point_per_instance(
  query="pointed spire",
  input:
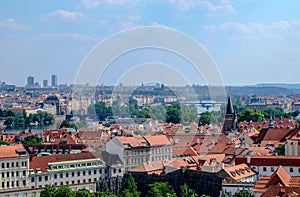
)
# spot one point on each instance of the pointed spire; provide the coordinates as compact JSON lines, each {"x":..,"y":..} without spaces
{"x":271,"y":123}
{"x":229,"y":110}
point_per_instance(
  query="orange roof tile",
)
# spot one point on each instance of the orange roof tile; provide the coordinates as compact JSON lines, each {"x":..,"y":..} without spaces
{"x":157,"y":140}
{"x":10,"y":151}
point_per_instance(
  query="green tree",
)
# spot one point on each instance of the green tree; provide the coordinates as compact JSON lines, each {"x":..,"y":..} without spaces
{"x":187,"y":192}
{"x":188,"y":114}
{"x":101,"y":110}
{"x":158,"y":113}
{"x":280,"y":149}
{"x":105,"y":193}
{"x":205,"y":118}
{"x":173,"y":113}
{"x":250,"y":115}
{"x":164,"y":189}
{"x":2,"y":142}
{"x":32,"y":140}
{"x":243,"y":193}
{"x":133,"y":107}
{"x":143,"y":113}
{"x":275,"y":112}
{"x":154,"y":192}
{"x":67,"y":124}
{"x":83,"y":193}
{"x":130,"y":185}
{"x":64,"y":191}
{"x":48,"y":191}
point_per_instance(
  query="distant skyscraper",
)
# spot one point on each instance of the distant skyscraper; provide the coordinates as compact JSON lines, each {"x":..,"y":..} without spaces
{"x":45,"y":83}
{"x":54,"y":80}
{"x":30,"y":81}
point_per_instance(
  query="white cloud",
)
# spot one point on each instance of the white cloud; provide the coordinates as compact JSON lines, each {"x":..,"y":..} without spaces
{"x":222,"y":6}
{"x":252,"y":31}
{"x":90,"y":3}
{"x":66,"y":14}
{"x":11,"y":24}
{"x":76,"y":36}
{"x":250,"y":27}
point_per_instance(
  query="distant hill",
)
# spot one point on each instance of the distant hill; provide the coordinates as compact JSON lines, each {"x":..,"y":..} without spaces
{"x":279,"y":85}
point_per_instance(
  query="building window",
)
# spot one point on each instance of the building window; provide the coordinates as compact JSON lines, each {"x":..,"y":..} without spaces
{"x":291,"y":169}
{"x":90,"y":180}
{"x":73,"y":182}
{"x":95,"y":179}
{"x":12,"y":164}
{"x":55,"y":176}
{"x":272,"y":169}
{"x":24,"y":173}
{"x":84,"y":180}
{"x":120,"y":170}
{"x":61,"y":183}
{"x":24,"y":182}
{"x":83,"y":173}
{"x":73,"y":174}
{"x":90,"y":172}
{"x":3,"y":184}
{"x":7,"y":165}
{"x":3,"y":174}
{"x":78,"y":181}
{"x":95,"y":171}
{"x":12,"y":184}
{"x":67,"y":174}
{"x":7,"y":174}
{"x":3,"y":165}
{"x":115,"y":170}
{"x":61,"y":175}
{"x":78,"y":173}
{"x":32,"y":179}
{"x":46,"y":178}
{"x":67,"y":183}
{"x":40,"y":178}
{"x":264,"y":169}
{"x":17,"y":173}
{"x":17,"y":164}
{"x":7,"y":184}
{"x":17,"y":183}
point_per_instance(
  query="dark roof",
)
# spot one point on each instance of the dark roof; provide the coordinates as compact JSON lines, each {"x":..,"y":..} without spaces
{"x":229,"y":109}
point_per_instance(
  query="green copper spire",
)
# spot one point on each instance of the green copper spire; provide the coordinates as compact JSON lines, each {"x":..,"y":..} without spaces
{"x":271,"y":123}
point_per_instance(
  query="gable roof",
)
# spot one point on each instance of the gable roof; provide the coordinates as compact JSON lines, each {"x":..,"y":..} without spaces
{"x":280,"y":176}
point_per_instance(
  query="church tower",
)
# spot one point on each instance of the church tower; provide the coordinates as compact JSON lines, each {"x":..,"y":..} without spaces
{"x":230,"y":122}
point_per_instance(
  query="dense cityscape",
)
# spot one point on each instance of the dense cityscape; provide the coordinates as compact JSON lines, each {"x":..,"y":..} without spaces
{"x":169,"y":98}
{"x":53,"y":141}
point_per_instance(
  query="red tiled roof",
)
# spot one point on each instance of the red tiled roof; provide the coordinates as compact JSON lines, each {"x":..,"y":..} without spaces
{"x":42,"y":161}
{"x":269,"y":160}
{"x":10,"y":151}
{"x":133,"y":141}
{"x":157,"y":140}
{"x":240,"y":171}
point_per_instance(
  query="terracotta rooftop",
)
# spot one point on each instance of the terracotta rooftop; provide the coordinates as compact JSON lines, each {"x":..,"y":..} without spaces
{"x":10,"y":151}
{"x":157,"y":140}
{"x":133,"y":141}
{"x":280,"y":178}
{"x":239,"y":171}
{"x":42,"y":161}
{"x":269,"y":160}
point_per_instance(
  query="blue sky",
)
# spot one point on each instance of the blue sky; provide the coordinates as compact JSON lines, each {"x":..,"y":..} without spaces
{"x":251,"y":41}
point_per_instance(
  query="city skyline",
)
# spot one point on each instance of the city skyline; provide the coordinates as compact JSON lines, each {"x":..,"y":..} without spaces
{"x":250,"y":41}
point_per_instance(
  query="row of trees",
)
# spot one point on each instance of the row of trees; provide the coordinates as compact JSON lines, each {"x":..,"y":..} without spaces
{"x":157,"y":189}
{"x":258,"y":115}
{"x":174,"y":113}
{"x":22,"y":120}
